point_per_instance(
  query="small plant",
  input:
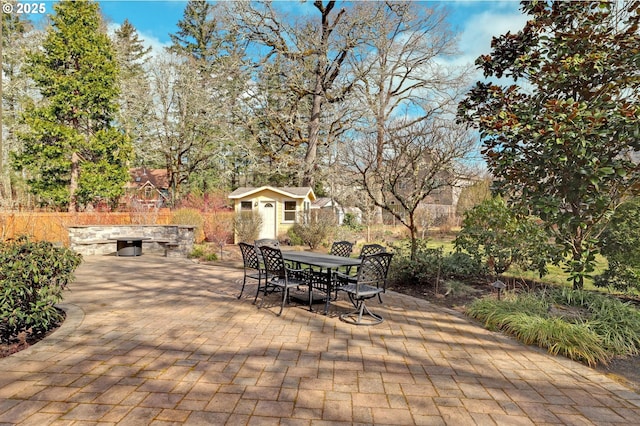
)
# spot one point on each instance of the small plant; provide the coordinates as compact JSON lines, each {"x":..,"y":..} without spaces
{"x":352,"y":223}
{"x":203,"y":252}
{"x":294,"y":239}
{"x":33,"y":276}
{"x":197,"y":252}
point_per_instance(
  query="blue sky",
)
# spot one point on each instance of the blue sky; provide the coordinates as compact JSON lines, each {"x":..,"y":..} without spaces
{"x":475,"y":20}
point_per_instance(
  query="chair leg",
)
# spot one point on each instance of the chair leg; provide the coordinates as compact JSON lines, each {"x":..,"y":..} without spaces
{"x":355,"y":317}
{"x":264,"y":296}
{"x":285,"y":296}
{"x":244,"y":282}
{"x":255,"y":299}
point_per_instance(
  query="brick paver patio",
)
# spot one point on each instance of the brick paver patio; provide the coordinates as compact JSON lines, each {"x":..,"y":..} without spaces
{"x":152,"y":340}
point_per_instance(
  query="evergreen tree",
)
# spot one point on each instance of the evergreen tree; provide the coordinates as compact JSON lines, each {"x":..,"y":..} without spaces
{"x":562,"y":144}
{"x":197,"y":37}
{"x":206,"y":86}
{"x":72,"y":153}
{"x":135,"y":97}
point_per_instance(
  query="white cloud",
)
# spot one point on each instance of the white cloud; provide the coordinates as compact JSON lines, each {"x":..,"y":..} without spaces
{"x":157,"y":47}
{"x":478,"y":30}
{"x":154,"y":43}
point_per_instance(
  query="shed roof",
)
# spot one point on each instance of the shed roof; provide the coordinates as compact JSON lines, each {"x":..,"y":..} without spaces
{"x":288,"y":191}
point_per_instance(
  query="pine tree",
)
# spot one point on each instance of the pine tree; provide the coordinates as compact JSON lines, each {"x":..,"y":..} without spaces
{"x":72,"y":153}
{"x":135,"y":99}
{"x":197,"y":37}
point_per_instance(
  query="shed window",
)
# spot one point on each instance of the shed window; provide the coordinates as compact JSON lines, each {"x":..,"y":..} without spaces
{"x":289,"y":211}
{"x":245,"y":206}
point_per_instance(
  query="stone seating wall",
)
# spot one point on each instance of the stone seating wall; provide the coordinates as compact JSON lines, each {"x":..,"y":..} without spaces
{"x":169,"y":240}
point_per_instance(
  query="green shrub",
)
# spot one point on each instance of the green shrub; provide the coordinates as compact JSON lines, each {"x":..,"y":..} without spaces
{"x":431,"y":265}
{"x":460,"y":265}
{"x":187,"y":216}
{"x":620,"y":244}
{"x":33,"y":275}
{"x":201,"y":252}
{"x":495,"y":234}
{"x":350,"y":221}
{"x":247,"y":226}
{"x":294,"y":239}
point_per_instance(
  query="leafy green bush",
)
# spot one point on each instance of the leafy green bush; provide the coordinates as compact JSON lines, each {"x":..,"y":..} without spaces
{"x":294,"y":239}
{"x":430,"y":265}
{"x":33,"y":275}
{"x":604,"y":326}
{"x":350,"y":221}
{"x":187,"y":216}
{"x":493,"y":233}
{"x":247,"y":226}
{"x":620,"y":244}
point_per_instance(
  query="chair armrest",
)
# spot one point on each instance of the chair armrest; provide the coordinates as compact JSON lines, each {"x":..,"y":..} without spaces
{"x":340,"y":277}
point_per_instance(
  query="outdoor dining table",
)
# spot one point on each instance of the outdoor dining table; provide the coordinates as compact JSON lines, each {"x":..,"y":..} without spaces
{"x":328,"y":263}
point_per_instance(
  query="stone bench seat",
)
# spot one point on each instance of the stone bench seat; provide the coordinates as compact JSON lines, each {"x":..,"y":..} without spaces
{"x":170,"y":240}
{"x":91,"y":242}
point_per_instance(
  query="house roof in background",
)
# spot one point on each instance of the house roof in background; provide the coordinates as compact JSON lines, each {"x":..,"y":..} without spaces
{"x":322,"y":202}
{"x":287,"y":191}
{"x":141,"y":176}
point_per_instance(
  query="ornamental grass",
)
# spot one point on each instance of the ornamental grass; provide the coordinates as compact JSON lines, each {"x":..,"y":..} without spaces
{"x":584,"y":326}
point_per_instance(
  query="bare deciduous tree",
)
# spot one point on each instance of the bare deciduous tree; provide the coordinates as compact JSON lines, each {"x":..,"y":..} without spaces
{"x":404,"y":73}
{"x":184,"y":122}
{"x":304,"y":67}
{"x":415,"y":162}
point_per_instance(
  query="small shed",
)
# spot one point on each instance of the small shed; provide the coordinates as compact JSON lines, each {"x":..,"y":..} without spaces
{"x":278,"y":207}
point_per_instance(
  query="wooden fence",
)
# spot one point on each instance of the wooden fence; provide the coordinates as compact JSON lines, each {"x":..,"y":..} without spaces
{"x":53,"y":226}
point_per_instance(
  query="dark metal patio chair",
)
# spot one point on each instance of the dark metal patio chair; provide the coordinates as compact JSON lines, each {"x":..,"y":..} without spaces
{"x":341,"y":248}
{"x":369,"y":249}
{"x":370,"y":282}
{"x":252,"y":267}
{"x":281,"y":277}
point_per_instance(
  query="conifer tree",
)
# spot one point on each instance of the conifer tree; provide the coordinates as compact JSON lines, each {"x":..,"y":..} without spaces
{"x":135,"y":99}
{"x":72,"y":154}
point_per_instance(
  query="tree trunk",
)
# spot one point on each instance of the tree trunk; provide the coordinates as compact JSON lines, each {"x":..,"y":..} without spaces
{"x":314,"y":130}
{"x":73,"y":184}
{"x":578,"y":279}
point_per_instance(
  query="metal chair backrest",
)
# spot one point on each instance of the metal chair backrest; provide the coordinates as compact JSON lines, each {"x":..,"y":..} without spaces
{"x":273,"y":261}
{"x":341,"y":248}
{"x":249,"y":256}
{"x":369,"y":249}
{"x":374,"y":269}
{"x":267,"y":242}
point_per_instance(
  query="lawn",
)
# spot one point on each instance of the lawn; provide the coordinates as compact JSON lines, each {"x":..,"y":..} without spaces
{"x":555,"y":276}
